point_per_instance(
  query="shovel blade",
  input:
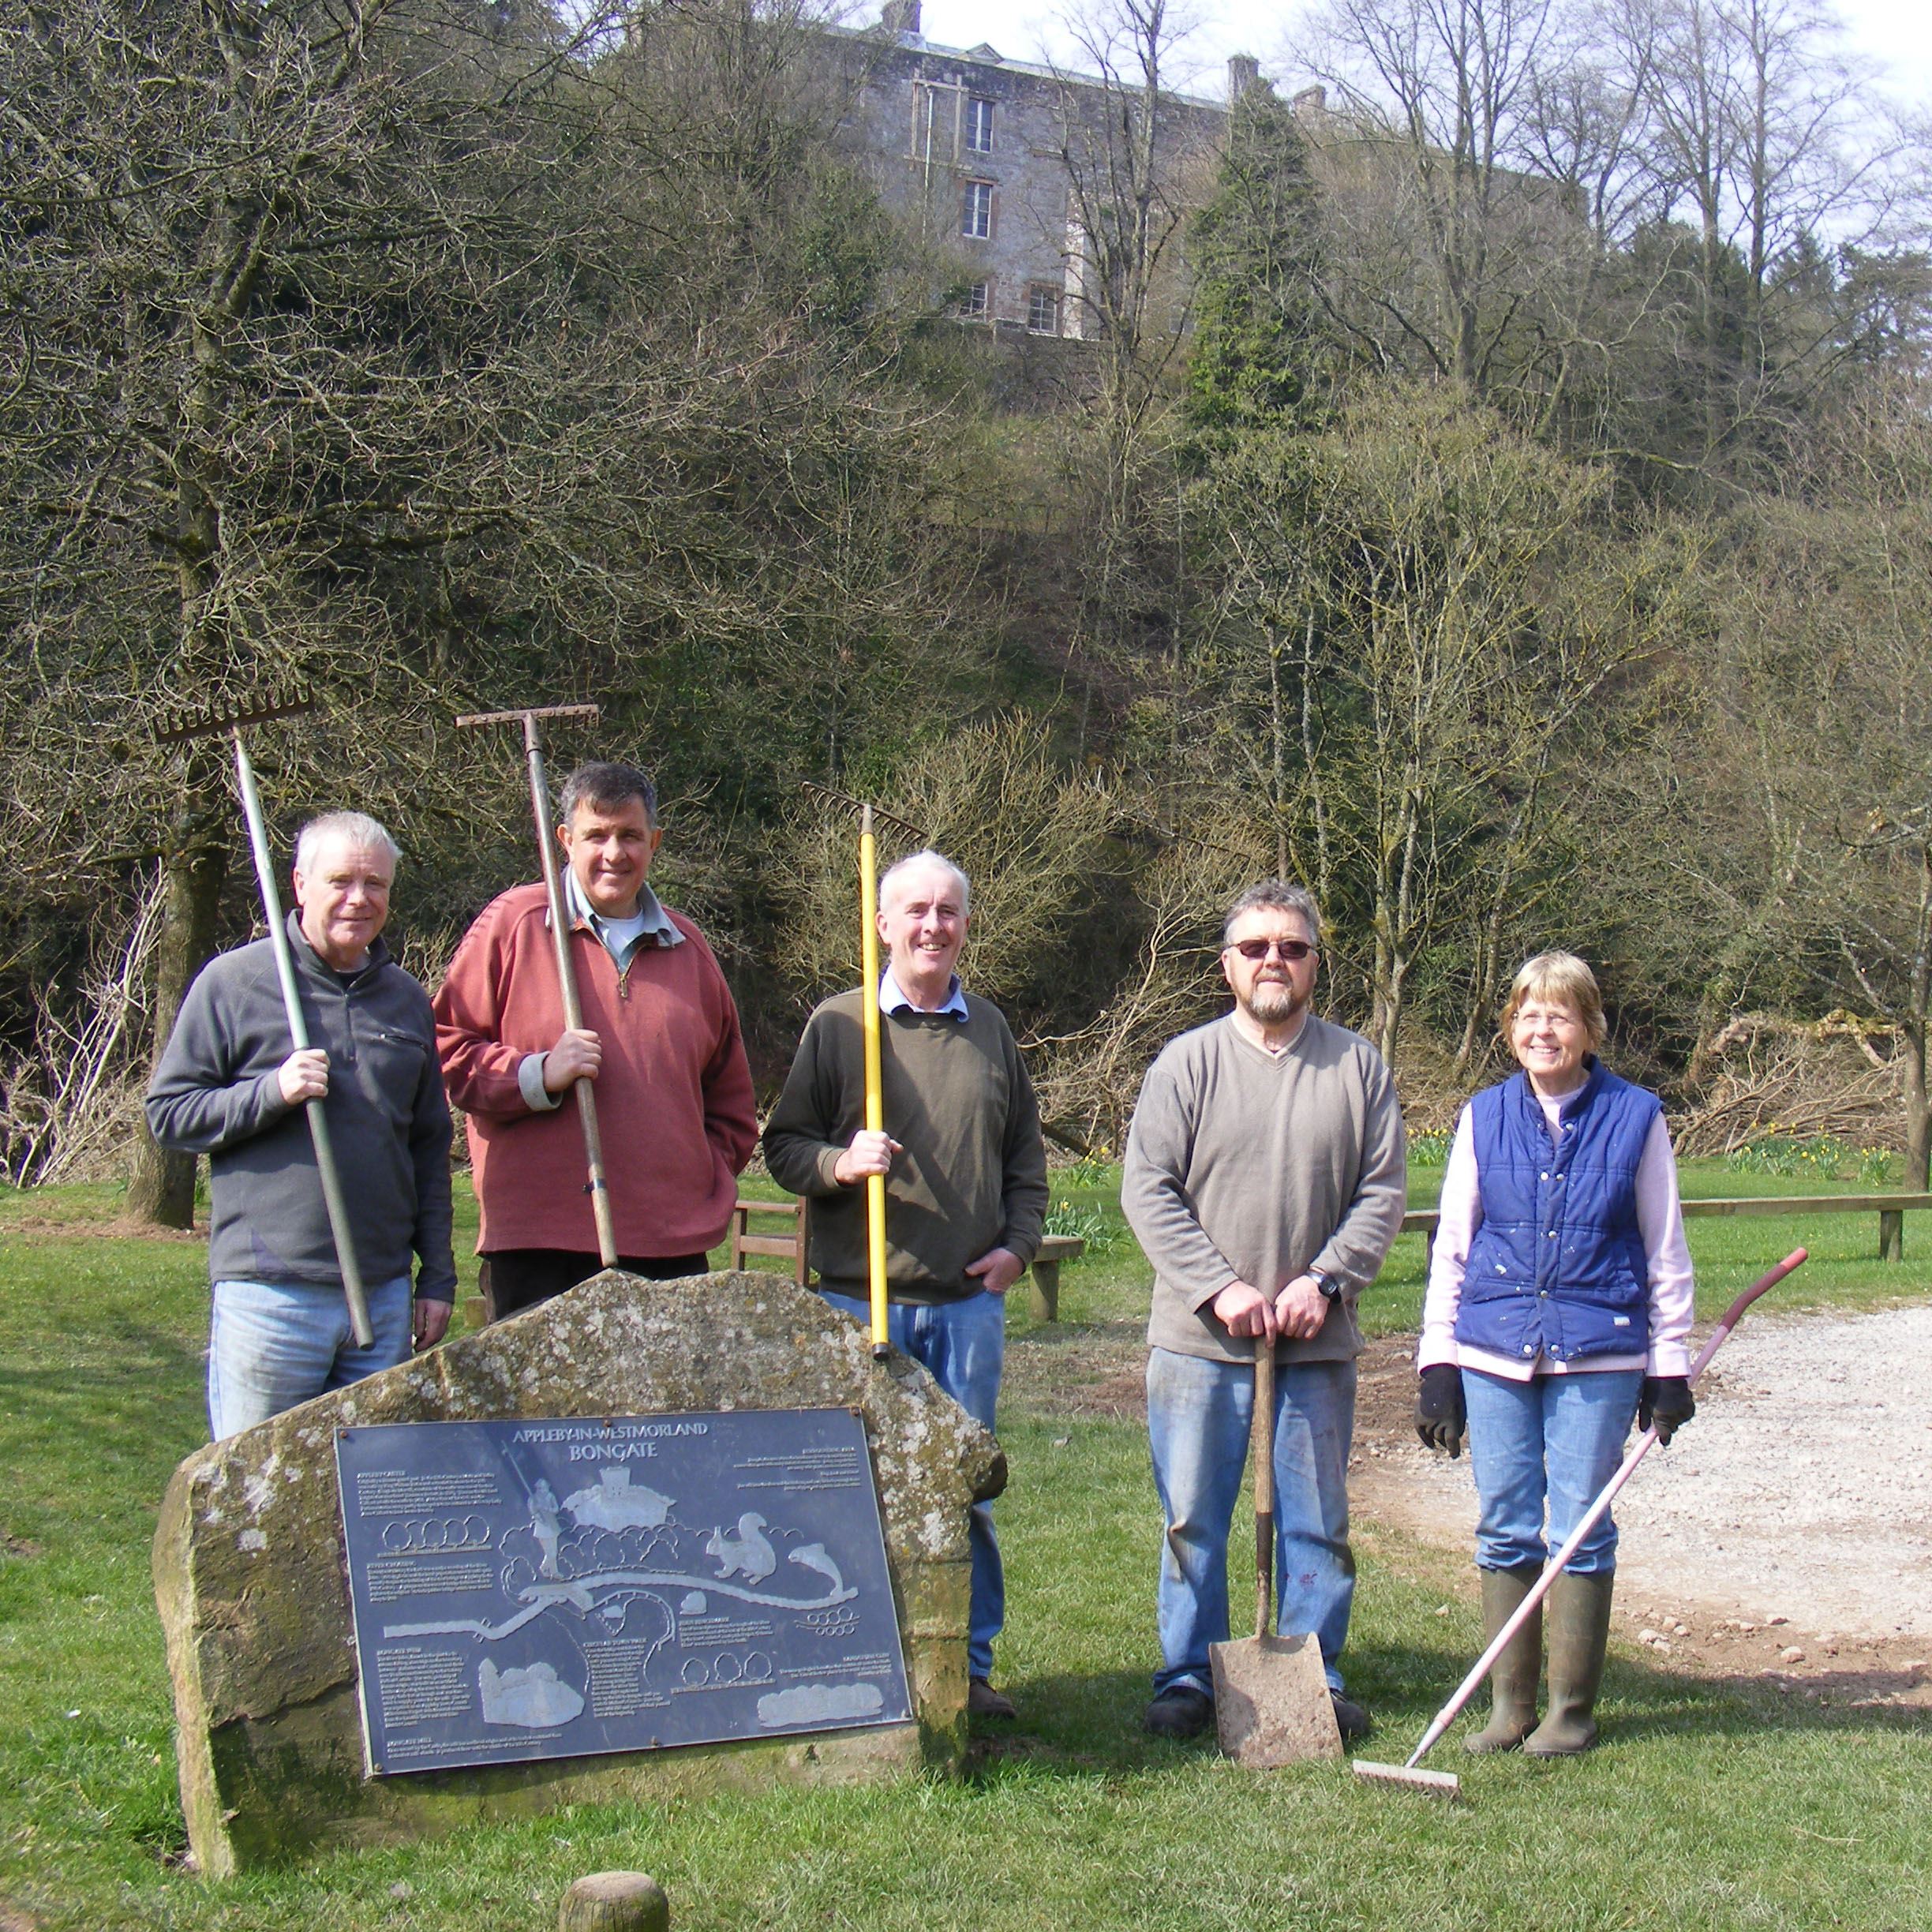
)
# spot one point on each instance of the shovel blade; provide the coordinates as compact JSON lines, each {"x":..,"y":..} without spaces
{"x":1271,"y":1701}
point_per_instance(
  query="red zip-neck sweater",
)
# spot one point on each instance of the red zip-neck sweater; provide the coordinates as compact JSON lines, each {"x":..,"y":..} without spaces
{"x":674,"y":1095}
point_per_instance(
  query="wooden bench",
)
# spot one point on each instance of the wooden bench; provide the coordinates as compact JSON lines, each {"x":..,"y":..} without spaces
{"x":1890,"y":1209}
{"x":790,"y":1243}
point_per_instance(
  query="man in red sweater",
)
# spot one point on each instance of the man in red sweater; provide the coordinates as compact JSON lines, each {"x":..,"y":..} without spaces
{"x":661,"y":1039}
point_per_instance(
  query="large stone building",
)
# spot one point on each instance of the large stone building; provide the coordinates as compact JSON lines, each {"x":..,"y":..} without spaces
{"x":1009,"y":167}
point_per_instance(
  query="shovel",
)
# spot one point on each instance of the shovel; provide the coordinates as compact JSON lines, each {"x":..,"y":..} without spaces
{"x":1271,"y":1701}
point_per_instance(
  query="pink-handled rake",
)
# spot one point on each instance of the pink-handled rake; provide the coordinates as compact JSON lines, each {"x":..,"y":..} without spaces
{"x":1445,"y":1784}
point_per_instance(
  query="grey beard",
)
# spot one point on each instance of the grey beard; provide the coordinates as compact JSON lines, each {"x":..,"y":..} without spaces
{"x":1271,"y":1003}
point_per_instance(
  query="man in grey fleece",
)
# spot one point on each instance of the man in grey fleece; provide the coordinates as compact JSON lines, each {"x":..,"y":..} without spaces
{"x":229,"y":1086}
{"x":1265,"y":1177}
{"x":965,"y":1172}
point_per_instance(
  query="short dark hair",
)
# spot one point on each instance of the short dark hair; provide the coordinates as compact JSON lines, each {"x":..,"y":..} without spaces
{"x":607,"y":785}
{"x":1275,"y":895}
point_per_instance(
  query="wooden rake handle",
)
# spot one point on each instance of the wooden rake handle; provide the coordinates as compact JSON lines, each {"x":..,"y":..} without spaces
{"x":599,"y":1185}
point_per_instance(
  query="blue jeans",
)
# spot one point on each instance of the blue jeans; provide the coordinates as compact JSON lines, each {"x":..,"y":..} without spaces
{"x":1557,"y":1439}
{"x":963,"y":1346}
{"x":271,"y":1347}
{"x":1198,"y":1417}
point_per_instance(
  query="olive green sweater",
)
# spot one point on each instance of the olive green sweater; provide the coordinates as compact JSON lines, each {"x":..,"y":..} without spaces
{"x":973,"y":1175}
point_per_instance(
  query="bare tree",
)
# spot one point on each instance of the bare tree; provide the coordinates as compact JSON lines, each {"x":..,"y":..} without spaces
{"x":1439,"y":108}
{"x":1421,"y":606}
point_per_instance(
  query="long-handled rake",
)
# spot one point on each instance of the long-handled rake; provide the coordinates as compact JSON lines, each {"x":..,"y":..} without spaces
{"x":206,"y":723}
{"x":560,"y":933}
{"x":874,"y":1079}
{"x":1445,"y":1784}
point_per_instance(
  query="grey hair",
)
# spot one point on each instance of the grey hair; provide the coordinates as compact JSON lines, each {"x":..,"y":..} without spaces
{"x":354,"y":829}
{"x":607,"y":785}
{"x":1275,"y":895}
{"x":928,"y":857}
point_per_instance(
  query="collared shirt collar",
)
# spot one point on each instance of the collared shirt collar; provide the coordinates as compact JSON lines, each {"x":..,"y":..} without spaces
{"x":893,"y":999}
{"x":653,"y":923}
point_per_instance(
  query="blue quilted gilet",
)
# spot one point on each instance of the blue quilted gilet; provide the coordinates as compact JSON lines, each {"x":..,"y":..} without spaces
{"x":1558,"y":1266}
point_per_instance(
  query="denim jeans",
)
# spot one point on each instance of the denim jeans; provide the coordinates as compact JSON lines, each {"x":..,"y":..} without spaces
{"x":271,"y":1346}
{"x":963,"y":1346}
{"x":1198,"y":1417}
{"x":1556,"y":1439}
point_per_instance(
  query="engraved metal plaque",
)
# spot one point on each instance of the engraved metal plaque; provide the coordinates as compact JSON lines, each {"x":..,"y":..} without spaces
{"x":556,"y":1589}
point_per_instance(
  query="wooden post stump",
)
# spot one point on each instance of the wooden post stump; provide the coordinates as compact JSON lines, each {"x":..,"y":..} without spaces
{"x":1891,"y":1234}
{"x":615,"y":1901}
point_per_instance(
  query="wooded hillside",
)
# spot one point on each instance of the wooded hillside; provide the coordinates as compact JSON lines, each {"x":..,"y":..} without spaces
{"x":1526,"y":542}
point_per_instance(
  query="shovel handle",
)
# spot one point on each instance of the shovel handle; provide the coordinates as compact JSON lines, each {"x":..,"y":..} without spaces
{"x":1262,"y":1442}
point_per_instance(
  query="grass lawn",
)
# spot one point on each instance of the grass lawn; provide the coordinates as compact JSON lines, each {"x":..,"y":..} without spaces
{"x":1711,"y":1805}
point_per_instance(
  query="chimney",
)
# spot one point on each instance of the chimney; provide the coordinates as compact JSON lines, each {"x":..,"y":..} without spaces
{"x":1311,"y":100}
{"x":901,"y":16}
{"x":1244,"y":72}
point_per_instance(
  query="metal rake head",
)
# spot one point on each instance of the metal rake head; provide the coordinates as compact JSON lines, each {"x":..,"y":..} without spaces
{"x":178,"y":721}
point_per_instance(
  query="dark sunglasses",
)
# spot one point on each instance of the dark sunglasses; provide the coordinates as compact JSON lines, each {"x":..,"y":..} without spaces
{"x":1293,"y":950}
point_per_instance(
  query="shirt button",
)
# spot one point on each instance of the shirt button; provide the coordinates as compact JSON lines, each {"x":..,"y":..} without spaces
{"x":1528,"y":1348}
{"x":1551,"y":1235}
{"x":1542,"y":1176}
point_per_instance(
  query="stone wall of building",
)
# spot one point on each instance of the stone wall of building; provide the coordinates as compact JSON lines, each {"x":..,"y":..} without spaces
{"x":970,"y":148}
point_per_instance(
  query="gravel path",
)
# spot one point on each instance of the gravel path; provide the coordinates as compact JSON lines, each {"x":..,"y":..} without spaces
{"x":1802,"y":1492}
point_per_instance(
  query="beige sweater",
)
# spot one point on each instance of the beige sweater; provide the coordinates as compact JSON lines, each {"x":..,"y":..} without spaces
{"x":1243,"y":1166}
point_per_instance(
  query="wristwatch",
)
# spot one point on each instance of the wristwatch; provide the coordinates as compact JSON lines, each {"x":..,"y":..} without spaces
{"x":1330,"y":1285}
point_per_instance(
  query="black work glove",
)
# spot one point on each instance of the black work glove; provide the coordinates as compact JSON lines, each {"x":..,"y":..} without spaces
{"x":1440,"y":1414}
{"x":1665,"y":1404}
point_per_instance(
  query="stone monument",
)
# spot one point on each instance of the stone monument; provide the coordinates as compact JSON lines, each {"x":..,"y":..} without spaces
{"x":250,"y":1568}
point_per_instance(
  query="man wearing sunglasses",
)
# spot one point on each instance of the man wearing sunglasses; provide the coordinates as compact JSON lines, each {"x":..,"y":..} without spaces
{"x":1265,"y":1177}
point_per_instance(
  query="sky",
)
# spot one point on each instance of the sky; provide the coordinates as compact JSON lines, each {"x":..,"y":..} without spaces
{"x":1896,"y":35}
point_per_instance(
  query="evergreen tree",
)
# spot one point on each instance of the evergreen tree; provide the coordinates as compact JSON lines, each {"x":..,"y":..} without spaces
{"x":1263,"y":349}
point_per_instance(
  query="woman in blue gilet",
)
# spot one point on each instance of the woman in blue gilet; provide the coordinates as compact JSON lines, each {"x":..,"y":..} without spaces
{"x":1559,"y":1304}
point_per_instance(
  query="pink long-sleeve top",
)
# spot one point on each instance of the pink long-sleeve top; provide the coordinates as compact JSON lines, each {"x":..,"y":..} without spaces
{"x":1660,"y":1220}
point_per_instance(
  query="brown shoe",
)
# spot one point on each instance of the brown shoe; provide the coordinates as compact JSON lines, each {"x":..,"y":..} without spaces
{"x":983,"y":1701}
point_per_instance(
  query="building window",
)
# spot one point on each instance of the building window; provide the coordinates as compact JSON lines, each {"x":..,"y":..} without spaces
{"x":979,"y":124}
{"x":1043,"y":309}
{"x":977,"y":210}
{"x":977,"y":303}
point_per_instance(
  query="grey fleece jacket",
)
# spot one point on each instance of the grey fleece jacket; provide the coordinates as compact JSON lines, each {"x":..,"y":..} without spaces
{"x":216,"y":1092}
{"x":1244,"y":1166}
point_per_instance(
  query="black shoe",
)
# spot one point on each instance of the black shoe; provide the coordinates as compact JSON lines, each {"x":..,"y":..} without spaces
{"x":1182,"y":1712}
{"x":1351,"y":1719}
{"x":983,"y":1701}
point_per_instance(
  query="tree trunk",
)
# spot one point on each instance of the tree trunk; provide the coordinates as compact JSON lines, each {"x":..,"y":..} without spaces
{"x":1918,"y":1115}
{"x":160,"y":1184}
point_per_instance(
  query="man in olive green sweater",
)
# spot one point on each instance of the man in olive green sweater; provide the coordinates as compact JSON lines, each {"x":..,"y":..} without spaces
{"x":1265,"y":1177}
{"x":965,"y":1173}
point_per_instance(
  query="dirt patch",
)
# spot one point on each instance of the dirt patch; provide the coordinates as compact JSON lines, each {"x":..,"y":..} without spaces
{"x":1785,"y":1536}
{"x":120,"y":1227}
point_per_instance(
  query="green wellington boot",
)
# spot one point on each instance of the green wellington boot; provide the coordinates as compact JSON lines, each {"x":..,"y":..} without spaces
{"x":1579,"y":1631}
{"x":1513,"y":1677}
